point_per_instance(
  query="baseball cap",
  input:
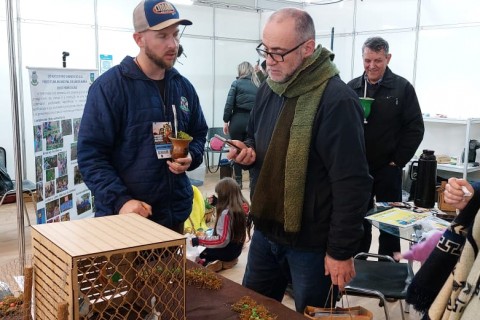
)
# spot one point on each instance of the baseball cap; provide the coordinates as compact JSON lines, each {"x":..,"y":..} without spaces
{"x":156,"y":15}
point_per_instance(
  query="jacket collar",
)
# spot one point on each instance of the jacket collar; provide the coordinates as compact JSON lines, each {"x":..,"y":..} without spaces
{"x":387,"y":80}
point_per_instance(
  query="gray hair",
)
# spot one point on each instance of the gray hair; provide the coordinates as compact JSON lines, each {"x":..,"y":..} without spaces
{"x":376,"y":44}
{"x":304,"y":25}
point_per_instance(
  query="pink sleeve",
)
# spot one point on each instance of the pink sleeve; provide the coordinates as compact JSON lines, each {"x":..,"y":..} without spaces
{"x":408,"y":254}
{"x":422,"y":250}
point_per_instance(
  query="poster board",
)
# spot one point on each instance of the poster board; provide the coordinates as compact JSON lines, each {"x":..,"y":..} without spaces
{"x":58,"y":99}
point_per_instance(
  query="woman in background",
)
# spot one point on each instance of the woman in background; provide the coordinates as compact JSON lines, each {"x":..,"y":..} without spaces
{"x":240,"y":101}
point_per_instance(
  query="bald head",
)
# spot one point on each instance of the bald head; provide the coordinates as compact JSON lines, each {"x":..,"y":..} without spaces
{"x":303,"y":22}
{"x":288,"y":39}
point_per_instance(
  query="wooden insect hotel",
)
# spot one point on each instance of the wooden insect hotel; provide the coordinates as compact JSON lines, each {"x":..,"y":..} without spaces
{"x":114,"y":267}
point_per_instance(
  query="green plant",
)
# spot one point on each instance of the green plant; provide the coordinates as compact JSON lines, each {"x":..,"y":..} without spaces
{"x":208,"y":206}
{"x":183,"y":135}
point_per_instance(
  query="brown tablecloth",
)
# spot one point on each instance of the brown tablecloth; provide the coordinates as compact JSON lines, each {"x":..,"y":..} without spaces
{"x":216,"y":304}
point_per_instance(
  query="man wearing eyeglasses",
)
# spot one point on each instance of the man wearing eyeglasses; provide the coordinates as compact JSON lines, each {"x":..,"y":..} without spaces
{"x":310,"y":180}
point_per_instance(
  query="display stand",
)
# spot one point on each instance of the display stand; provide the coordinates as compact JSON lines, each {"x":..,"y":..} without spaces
{"x":447,"y":127}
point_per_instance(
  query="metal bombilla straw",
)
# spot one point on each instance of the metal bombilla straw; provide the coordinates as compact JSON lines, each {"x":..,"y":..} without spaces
{"x":365,"y":89}
{"x":364,"y":97}
{"x":175,"y":124}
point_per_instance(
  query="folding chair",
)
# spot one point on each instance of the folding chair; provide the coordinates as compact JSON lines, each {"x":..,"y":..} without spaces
{"x":28,"y":186}
{"x":209,"y":152}
{"x":383,"y":279}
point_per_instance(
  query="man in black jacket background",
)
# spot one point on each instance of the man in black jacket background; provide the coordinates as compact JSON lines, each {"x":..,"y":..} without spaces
{"x":393,"y":132}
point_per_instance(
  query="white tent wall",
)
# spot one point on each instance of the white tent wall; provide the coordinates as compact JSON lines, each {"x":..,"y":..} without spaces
{"x":213,"y":49}
{"x":432,"y":43}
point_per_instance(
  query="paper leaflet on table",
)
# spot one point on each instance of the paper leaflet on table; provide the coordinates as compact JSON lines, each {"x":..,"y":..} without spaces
{"x":398,"y":217}
{"x":435,"y":223}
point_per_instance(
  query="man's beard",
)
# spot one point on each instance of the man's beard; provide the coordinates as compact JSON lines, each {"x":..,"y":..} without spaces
{"x":157,"y":60}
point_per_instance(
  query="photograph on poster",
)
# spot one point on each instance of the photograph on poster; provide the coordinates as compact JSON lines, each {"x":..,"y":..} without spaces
{"x":66,"y":127}
{"x":39,"y":191}
{"x":49,"y":189}
{"x":76,"y":127}
{"x":50,"y":162}
{"x":62,"y":184}
{"x":77,"y":176}
{"x":38,"y":168}
{"x":83,"y":203}
{"x":52,"y":135}
{"x":54,"y":141}
{"x":41,"y":216}
{"x":37,"y":133}
{"x":62,"y":164}
{"x":52,"y":208}
{"x":50,"y":174}
{"x":50,"y":127}
{"x":73,"y":151}
{"x":66,"y":203}
{"x":56,"y":219}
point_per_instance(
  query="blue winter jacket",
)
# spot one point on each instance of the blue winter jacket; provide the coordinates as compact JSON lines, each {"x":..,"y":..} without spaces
{"x":116,"y":153}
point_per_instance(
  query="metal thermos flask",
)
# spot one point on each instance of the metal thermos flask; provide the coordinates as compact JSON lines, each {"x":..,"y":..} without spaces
{"x":426,"y":178}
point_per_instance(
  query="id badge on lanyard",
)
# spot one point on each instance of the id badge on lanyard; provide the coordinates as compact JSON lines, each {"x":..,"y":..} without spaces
{"x":161,"y":131}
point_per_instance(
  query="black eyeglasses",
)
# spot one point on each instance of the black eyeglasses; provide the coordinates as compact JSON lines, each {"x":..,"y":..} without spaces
{"x":278,"y":57}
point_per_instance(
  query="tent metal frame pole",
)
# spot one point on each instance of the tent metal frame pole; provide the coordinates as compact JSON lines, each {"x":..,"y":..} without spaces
{"x":14,"y":97}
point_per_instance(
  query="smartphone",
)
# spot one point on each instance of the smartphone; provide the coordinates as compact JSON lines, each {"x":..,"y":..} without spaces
{"x":229,"y":142}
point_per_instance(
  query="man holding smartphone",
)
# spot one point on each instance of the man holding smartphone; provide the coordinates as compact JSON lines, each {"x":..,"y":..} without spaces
{"x":310,"y":182}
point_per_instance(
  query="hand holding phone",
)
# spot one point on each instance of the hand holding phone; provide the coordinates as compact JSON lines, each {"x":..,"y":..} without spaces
{"x":229,"y":142}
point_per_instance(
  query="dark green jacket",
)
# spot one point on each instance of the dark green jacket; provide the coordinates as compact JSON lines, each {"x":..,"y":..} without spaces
{"x":241,"y":98}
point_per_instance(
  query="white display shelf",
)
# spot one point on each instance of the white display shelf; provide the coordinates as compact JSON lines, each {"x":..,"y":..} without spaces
{"x":456,"y":168}
{"x":451,"y":120}
{"x":464,"y":168}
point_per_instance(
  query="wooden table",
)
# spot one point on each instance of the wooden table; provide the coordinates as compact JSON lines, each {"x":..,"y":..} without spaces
{"x":216,"y":304}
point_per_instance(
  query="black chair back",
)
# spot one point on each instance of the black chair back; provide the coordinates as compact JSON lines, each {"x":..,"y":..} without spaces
{"x":209,"y":152}
{"x":215,"y":130}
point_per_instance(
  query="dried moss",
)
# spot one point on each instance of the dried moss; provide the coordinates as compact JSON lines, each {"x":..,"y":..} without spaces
{"x":249,"y":309}
{"x":11,"y":306}
{"x":203,"y":279}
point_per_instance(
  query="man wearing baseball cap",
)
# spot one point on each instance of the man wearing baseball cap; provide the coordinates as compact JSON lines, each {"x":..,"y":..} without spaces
{"x":156,"y":15}
{"x":123,"y":153}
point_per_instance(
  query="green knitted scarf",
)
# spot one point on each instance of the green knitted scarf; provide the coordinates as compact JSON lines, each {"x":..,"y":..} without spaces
{"x":280,"y":189}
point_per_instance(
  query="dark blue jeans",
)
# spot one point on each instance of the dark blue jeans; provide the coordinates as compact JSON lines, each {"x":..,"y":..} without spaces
{"x":270,"y":267}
